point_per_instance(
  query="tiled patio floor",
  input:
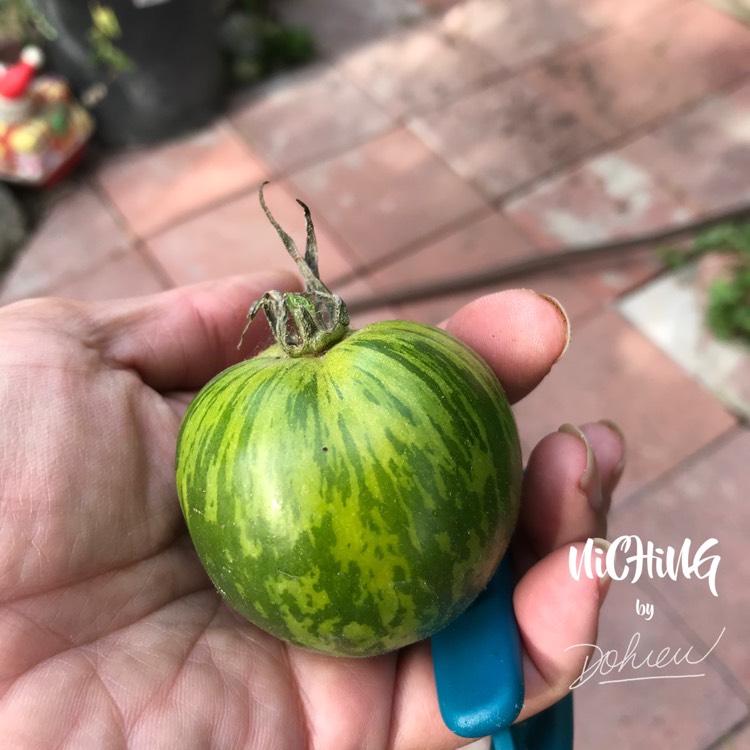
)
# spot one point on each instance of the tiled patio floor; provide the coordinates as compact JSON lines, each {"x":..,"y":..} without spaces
{"x":443,"y":138}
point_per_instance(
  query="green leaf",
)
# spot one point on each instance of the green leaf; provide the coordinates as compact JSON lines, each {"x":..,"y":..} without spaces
{"x":714,"y":238}
{"x":728,"y":312}
{"x":723,"y":292}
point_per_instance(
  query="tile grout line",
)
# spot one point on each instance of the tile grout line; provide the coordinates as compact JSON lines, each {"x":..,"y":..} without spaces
{"x":704,"y":453}
{"x":137,"y":244}
{"x":313,"y":161}
{"x":733,"y":731}
{"x":157,"y":269}
{"x":415,"y":246}
{"x":739,"y":419}
{"x":527,"y":188}
{"x":727,"y":403}
{"x":48,"y":289}
{"x":502,"y":75}
{"x":700,"y":454}
{"x":596,"y":35}
{"x":628,"y":138}
{"x":402,"y":121}
{"x":664,"y":182}
{"x":496,"y":202}
{"x":119,"y":250}
{"x":398,"y":124}
{"x":287,"y":175}
{"x":677,"y":620}
{"x":117,"y":216}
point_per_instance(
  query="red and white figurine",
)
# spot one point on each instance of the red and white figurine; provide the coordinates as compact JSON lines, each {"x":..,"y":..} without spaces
{"x":15,"y":80}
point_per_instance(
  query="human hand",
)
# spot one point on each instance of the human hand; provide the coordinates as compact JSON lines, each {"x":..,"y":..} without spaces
{"x":112,"y":634}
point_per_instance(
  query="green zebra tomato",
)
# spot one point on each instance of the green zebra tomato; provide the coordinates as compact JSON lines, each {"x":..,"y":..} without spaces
{"x":355,"y":499}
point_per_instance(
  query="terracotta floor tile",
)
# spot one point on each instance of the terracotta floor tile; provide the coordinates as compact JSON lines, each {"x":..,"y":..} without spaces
{"x":574,"y":297}
{"x":339,"y":25}
{"x":468,"y":251}
{"x":435,"y":311}
{"x":386,"y":194}
{"x":611,"y":370}
{"x":124,"y":275}
{"x":571,"y":289}
{"x":515,"y":33}
{"x":491,"y":241}
{"x":615,"y":14}
{"x":417,"y":69}
{"x":360,"y":288}
{"x":705,"y":153}
{"x":670,"y":311}
{"x":610,"y":197}
{"x":482,"y":244}
{"x":611,"y":279}
{"x":431,"y":311}
{"x":302,"y":116}
{"x":606,"y":198}
{"x":638,"y":75}
{"x":669,"y":714}
{"x":237,"y":238}
{"x":79,"y":233}
{"x":504,"y":136}
{"x":705,"y":499}
{"x":155,"y":187}
{"x":485,"y":242}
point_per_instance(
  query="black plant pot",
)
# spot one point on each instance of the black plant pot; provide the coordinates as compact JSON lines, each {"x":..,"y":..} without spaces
{"x":176,"y":81}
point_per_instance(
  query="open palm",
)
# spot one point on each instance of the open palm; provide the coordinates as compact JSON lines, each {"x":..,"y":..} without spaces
{"x":113,"y":637}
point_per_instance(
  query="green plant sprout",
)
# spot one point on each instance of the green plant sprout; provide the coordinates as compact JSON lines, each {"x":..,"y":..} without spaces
{"x":104,"y":30}
{"x":19,"y":19}
{"x":728,"y":306}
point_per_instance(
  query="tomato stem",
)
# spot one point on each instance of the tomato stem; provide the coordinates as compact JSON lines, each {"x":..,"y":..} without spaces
{"x":303,"y":323}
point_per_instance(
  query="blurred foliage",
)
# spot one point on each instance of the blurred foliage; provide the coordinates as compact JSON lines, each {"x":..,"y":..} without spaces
{"x":256,"y":42}
{"x":259,"y":44}
{"x":20,"y":20}
{"x":105,"y":29}
{"x":728,"y":305}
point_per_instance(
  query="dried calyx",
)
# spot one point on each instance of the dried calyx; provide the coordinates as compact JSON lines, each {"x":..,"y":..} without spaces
{"x":303,"y":323}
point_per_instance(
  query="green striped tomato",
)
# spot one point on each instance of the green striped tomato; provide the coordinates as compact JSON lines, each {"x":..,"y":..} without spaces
{"x":354,"y":502}
{"x":350,"y":492}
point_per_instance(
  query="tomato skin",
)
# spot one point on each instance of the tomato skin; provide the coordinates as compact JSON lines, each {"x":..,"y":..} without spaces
{"x":356,"y":501}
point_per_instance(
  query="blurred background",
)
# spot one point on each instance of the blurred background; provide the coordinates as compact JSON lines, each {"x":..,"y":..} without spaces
{"x":444,"y":142}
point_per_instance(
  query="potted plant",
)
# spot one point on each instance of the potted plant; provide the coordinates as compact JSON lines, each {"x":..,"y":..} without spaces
{"x":147,"y":69}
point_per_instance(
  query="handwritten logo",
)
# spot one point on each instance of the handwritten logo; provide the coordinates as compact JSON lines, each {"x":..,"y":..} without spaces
{"x":604,"y":663}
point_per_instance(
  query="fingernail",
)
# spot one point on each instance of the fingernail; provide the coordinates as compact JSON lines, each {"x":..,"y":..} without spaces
{"x":604,"y":580}
{"x":617,"y":430}
{"x":589,"y":481}
{"x":563,"y":316}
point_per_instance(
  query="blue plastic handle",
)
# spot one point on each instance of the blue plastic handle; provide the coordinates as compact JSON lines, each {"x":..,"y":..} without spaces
{"x":479,"y":676}
{"x":477,"y":662}
{"x":551,"y":729}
